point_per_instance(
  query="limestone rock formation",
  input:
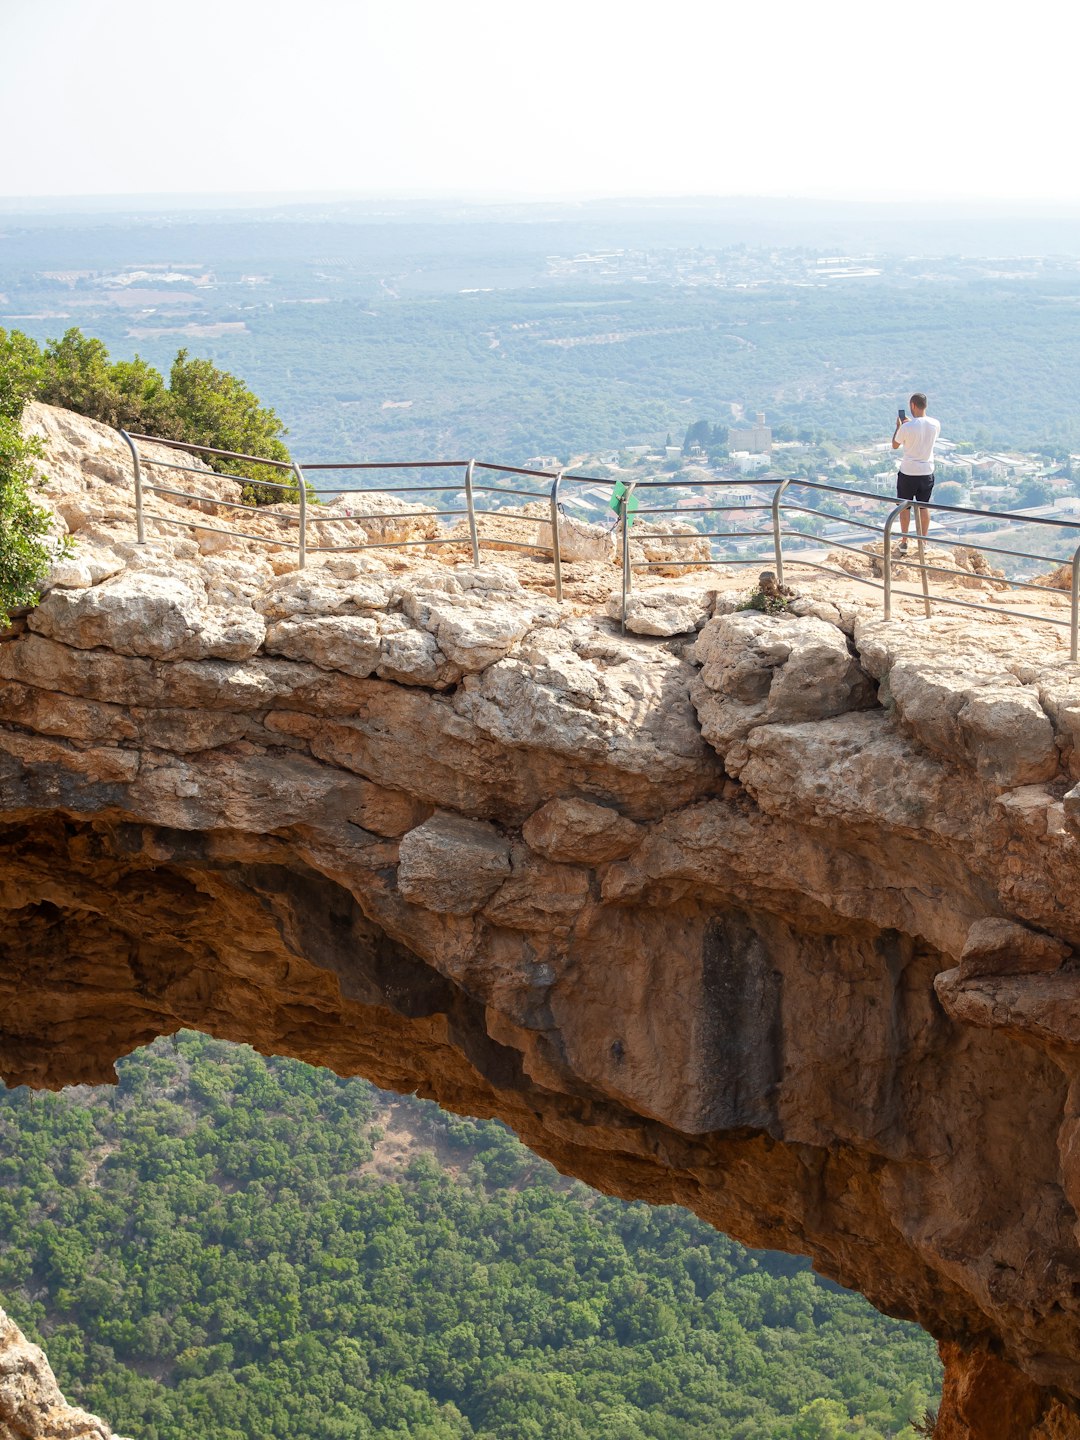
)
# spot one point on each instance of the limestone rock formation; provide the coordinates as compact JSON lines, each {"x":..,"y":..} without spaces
{"x":31,"y":1405}
{"x":776,"y":917}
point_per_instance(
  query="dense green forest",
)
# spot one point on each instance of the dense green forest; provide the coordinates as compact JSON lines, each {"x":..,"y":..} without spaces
{"x":220,"y":1249}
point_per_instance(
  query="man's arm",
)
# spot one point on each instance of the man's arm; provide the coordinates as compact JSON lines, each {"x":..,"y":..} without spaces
{"x":895,"y":442}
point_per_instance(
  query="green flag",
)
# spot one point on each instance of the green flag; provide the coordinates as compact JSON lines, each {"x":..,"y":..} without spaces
{"x":631,"y":504}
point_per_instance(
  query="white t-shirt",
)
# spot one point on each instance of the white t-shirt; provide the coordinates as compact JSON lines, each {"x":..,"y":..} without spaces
{"x":917,"y":437}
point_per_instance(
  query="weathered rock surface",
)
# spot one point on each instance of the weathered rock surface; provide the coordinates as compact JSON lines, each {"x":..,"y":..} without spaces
{"x":782,"y":925}
{"x":31,"y":1405}
{"x":675,"y":610}
{"x":759,"y":669}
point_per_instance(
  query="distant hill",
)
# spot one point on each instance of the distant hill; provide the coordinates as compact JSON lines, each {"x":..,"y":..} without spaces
{"x":413,"y":331}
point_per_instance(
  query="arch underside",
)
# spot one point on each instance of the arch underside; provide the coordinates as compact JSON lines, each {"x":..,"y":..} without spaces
{"x":116,"y":932}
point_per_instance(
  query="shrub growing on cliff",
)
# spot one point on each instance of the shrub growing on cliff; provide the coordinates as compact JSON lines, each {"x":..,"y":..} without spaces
{"x":20,"y":372}
{"x":76,"y":372}
{"x":201,"y":404}
{"x":26,"y":546}
{"x":217,"y":409}
{"x":26,"y":550}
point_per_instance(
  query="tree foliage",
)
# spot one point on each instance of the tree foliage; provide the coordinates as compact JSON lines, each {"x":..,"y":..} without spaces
{"x":217,"y":409}
{"x":201,"y":404}
{"x":221,"y":1246}
{"x":27,"y":545}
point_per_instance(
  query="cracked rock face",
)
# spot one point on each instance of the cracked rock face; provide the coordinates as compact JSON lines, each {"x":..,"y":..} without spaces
{"x":783,"y":925}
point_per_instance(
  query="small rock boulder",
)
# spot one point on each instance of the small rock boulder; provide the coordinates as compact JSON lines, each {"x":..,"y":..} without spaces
{"x":996,"y":946}
{"x":581,"y":542}
{"x":759,"y":669}
{"x":579,"y":832}
{"x":452,"y":865}
{"x":669,"y":611}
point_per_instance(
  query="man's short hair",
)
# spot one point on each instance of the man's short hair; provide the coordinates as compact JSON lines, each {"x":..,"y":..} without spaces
{"x":918,"y":401}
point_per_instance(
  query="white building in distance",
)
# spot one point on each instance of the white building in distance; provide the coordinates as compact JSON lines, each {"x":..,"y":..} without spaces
{"x":756,"y":439}
{"x":746,"y":463}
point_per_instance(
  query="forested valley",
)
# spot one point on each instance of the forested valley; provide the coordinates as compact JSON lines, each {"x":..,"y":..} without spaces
{"x":225,"y":1247}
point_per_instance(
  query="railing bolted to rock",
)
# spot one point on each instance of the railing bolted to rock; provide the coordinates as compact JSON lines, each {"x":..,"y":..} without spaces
{"x":627,"y":506}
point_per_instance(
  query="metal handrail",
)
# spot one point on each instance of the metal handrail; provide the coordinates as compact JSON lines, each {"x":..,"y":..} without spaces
{"x":222,"y":474}
{"x":209,"y":450}
{"x":924,"y":569}
{"x":778,"y":549}
{"x":377,"y":464}
{"x":775,"y":505}
{"x":556,"y":550}
{"x":300,"y":484}
{"x":213,"y":500}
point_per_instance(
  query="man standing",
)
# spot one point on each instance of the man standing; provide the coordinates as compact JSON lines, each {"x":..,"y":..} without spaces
{"x":915,"y":478}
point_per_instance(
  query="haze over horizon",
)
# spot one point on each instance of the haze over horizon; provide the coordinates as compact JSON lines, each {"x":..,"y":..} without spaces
{"x":475,"y":101}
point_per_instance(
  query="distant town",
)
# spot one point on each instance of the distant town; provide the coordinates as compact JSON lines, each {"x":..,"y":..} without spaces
{"x":743,"y":267}
{"x":1024,"y":487}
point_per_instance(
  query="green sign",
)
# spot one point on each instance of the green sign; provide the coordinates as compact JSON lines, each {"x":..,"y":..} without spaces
{"x":631,"y":504}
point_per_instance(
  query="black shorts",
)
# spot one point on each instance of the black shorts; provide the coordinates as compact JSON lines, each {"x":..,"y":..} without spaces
{"x":913,"y":487}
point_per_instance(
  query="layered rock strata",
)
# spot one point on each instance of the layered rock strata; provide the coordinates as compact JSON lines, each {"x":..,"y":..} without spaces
{"x":777,"y":918}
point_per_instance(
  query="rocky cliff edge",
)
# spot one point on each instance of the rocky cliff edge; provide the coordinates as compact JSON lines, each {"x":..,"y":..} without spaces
{"x":776,"y":917}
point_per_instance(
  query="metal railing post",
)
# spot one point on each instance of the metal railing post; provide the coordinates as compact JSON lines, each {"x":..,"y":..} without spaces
{"x":1074,"y":623}
{"x":887,"y":558}
{"x":556,"y":553}
{"x":302,"y":486}
{"x":625,"y":558}
{"x":920,"y":540}
{"x":778,"y":549}
{"x":472,"y":514}
{"x":627,"y":574}
{"x":140,"y":528}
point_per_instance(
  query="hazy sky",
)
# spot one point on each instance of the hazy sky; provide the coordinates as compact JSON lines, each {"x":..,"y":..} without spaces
{"x":557,"y":99}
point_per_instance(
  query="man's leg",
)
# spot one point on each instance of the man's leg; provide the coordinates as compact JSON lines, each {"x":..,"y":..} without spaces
{"x":922,"y":517}
{"x":902,"y":485}
{"x":905,"y":515}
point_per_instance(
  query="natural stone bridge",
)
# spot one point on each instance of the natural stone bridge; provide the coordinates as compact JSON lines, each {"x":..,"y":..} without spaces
{"x":773,"y":917}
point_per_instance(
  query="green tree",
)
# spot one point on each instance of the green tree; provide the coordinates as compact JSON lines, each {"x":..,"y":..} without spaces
{"x":75,"y":374}
{"x":949,"y":492}
{"x":1032,"y":492}
{"x":218,"y":410}
{"x":20,"y":371}
{"x":143,"y":402}
{"x":201,"y":404}
{"x":697,"y":434}
{"x":820,"y":1420}
{"x":27,"y":544}
{"x":27,"y":548}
